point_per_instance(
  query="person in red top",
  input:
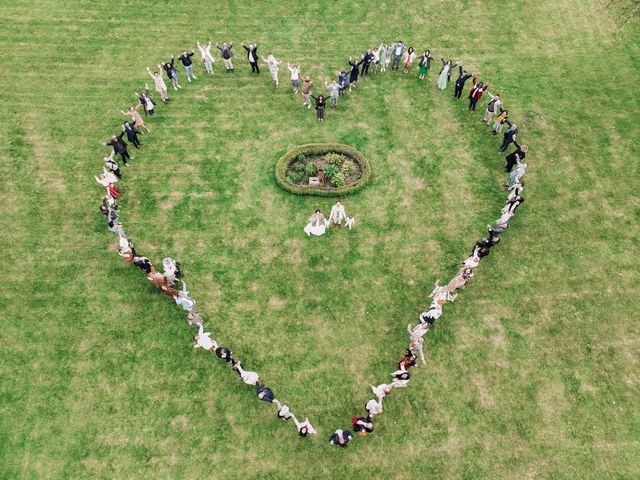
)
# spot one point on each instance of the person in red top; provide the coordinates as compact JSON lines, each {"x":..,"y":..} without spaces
{"x":476,"y":93}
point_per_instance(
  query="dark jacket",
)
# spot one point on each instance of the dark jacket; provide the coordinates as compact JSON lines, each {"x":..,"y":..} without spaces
{"x":131,"y":132}
{"x":118,"y":144}
{"x":185,"y":59}
{"x":426,"y":61}
{"x":462,"y":78}
{"x":253,"y":51}
{"x":225,"y":53}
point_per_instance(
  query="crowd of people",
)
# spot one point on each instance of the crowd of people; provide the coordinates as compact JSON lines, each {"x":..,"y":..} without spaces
{"x":168,"y":279}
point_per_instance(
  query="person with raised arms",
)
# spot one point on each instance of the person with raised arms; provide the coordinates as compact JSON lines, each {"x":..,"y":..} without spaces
{"x":264,"y":393}
{"x":304,"y":428}
{"x":227,"y":55}
{"x":172,"y":73}
{"x":334,"y":93}
{"x":203,"y":340}
{"x":425,"y":64}
{"x":445,"y":73}
{"x":355,"y":70}
{"x":397,"y":49}
{"x":463,"y":76}
{"x":373,"y":407}
{"x":135,"y":116}
{"x":362,"y":425}
{"x":517,"y":174}
{"x":273,"y":64}
{"x":250,"y":378}
{"x":161,"y":87}
{"x":409,"y":58}
{"x":295,"y":76}
{"x":205,"y":55}
{"x":282,"y":411}
{"x":185,"y":58}
{"x":341,"y":438}
{"x":307,"y":86}
{"x":252,"y":56}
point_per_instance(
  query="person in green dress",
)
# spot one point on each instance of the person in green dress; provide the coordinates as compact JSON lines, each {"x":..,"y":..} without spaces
{"x":425,"y":64}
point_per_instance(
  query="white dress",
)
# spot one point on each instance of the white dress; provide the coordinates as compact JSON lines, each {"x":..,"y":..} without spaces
{"x":106,"y":179}
{"x":205,"y":53}
{"x":273,"y":68}
{"x":374,"y":407}
{"x":203,"y":340}
{"x":380,"y":392}
{"x":441,"y":295}
{"x":473,"y":261}
{"x":250,"y":378}
{"x":316,"y":225}
{"x":442,"y":80}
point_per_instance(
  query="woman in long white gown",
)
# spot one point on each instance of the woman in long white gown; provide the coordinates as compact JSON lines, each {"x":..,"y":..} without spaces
{"x":444,"y":74}
{"x":316,"y":224}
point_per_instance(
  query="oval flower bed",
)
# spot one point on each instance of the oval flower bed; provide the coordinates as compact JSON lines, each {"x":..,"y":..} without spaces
{"x":325,"y":169}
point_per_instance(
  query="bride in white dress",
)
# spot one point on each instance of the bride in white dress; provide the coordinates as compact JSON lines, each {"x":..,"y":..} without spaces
{"x":316,"y":224}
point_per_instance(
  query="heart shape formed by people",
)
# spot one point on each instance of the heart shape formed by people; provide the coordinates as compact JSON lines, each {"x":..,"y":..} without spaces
{"x":167,"y":281}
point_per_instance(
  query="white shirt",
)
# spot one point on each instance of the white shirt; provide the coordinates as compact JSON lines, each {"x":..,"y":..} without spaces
{"x":205,"y":52}
{"x":374,"y":407}
{"x":417,"y":332}
{"x":398,"y":49}
{"x":435,"y":312}
{"x":106,"y":178}
{"x":400,"y":383}
{"x":505,"y":218}
{"x":337,"y":213}
{"x":273,"y":63}
{"x":295,"y":73}
{"x":250,"y":378}
{"x":306,"y":423}
{"x":350,"y":222}
{"x":169,"y":266}
{"x":203,"y":340}
{"x":441,"y":293}
{"x":379,"y":391}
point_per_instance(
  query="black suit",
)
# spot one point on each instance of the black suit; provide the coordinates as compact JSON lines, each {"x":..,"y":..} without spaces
{"x":462,"y":78}
{"x":253,"y":52}
{"x":509,"y":136}
{"x":366,"y":61}
{"x":132,"y":135}
{"x":120,"y":147}
{"x":511,"y":158}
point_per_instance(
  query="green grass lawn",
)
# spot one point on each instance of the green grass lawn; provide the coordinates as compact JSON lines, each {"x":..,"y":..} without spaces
{"x":532,"y":373}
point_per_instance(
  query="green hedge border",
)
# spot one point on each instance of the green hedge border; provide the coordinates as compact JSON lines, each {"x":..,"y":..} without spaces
{"x":320,"y":149}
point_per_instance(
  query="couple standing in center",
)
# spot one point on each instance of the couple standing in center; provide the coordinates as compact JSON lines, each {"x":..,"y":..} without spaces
{"x":317,"y":223}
